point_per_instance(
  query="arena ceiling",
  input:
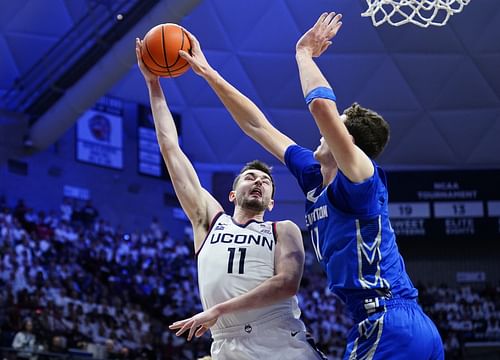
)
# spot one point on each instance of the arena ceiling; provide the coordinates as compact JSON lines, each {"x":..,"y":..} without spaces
{"x":439,"y":88}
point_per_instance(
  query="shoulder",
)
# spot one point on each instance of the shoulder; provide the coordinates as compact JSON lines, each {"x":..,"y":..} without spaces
{"x":380,"y":173}
{"x":286,"y":224}
{"x":304,"y":167}
{"x":377,"y":177}
{"x":295,"y":153}
{"x":286,"y":229}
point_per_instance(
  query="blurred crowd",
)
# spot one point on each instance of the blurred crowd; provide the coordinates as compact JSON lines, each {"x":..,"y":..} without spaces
{"x":69,"y":281}
{"x":86,"y":285}
{"x":463,"y":314}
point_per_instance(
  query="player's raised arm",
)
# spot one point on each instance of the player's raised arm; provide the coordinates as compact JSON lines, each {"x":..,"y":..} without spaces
{"x":198,"y":204}
{"x":289,"y":264}
{"x":246,"y":114}
{"x":353,"y":162}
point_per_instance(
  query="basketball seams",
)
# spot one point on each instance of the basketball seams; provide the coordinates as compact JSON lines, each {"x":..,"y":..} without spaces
{"x":156,"y":51}
{"x":178,"y":71}
{"x":169,"y":73}
{"x":151,"y":57}
{"x":179,"y":68}
{"x":164,"y":47}
{"x":181,"y":48}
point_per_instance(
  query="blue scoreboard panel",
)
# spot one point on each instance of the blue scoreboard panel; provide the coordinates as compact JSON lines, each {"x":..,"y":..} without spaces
{"x":445,"y":204}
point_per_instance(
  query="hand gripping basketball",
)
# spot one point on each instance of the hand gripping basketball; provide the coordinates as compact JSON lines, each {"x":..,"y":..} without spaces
{"x":160,"y":50}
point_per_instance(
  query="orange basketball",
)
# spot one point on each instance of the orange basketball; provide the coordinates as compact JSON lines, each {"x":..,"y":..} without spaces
{"x":160,"y":50}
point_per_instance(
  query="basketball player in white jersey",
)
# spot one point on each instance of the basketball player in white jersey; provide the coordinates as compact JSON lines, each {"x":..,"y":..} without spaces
{"x":249,"y":270}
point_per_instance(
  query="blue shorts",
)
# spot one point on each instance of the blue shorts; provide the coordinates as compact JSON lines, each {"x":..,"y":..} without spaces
{"x":401,"y":330}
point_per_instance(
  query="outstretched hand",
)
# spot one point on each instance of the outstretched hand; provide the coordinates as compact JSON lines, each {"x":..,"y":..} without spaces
{"x":318,"y":38}
{"x":197,"y":324}
{"x":195,"y":57}
{"x":148,"y":75}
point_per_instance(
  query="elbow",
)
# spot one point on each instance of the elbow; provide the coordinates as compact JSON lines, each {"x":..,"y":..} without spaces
{"x":252,"y":132}
{"x":167,"y":147}
{"x":319,"y":106}
{"x":290,"y":286}
{"x":252,"y":126}
{"x":292,"y":291}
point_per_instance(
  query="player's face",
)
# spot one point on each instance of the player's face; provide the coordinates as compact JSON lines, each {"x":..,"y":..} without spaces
{"x":254,"y":190}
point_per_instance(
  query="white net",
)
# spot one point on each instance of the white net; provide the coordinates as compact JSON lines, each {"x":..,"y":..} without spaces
{"x":419,"y":12}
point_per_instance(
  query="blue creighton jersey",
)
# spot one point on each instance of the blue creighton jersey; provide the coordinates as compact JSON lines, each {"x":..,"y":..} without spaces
{"x":351,"y":233}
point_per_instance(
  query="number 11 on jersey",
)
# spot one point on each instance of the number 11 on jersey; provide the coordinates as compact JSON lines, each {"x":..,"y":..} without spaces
{"x":241,"y":269}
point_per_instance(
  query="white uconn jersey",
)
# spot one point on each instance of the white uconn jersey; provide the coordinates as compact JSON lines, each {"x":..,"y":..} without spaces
{"x":233,"y":260}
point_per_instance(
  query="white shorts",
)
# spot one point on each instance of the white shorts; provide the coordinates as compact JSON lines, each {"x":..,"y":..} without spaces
{"x":275,"y":339}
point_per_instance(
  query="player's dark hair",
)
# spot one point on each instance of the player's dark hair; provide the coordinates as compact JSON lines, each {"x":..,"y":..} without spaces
{"x":369,"y":130}
{"x":256,"y":165}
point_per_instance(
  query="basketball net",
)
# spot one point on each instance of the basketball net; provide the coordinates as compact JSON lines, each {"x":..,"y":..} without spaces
{"x":419,"y":12}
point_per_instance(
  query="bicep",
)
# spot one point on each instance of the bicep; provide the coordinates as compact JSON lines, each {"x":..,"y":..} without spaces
{"x":196,"y":202}
{"x":353,"y":162}
{"x":356,"y":165}
{"x":289,"y":256}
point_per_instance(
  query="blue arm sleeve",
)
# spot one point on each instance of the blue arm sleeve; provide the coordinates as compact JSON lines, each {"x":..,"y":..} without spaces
{"x":301,"y":163}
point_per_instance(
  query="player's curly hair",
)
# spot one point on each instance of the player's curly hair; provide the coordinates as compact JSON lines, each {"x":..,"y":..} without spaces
{"x":257,"y":165}
{"x":369,"y":130}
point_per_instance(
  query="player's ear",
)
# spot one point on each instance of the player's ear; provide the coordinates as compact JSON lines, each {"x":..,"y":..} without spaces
{"x":232,"y":195}
{"x":270,"y":206}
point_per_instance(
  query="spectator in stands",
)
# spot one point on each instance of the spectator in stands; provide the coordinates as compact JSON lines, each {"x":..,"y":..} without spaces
{"x":452,"y":345}
{"x":66,"y":209}
{"x":155,"y":228}
{"x":20,"y":210}
{"x":58,"y":344}
{"x":89,"y":214}
{"x":25,"y":340}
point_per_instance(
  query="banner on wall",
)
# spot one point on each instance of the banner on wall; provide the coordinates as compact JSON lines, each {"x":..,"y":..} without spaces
{"x":150,"y":161}
{"x":99,"y":137}
{"x":76,"y":192}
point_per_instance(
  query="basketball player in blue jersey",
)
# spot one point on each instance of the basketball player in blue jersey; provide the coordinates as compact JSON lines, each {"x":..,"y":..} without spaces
{"x":249,"y":270}
{"x":346,"y":205}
